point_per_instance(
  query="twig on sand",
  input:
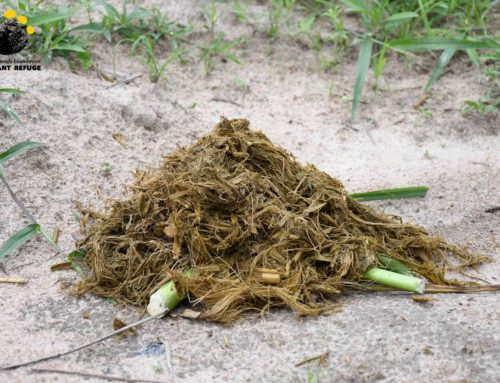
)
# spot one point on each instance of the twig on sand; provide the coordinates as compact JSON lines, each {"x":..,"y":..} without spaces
{"x":88,"y":375}
{"x":13,"y":280}
{"x":218,"y":99}
{"x":322,"y":359}
{"x":437,"y":289}
{"x":492,"y":209}
{"x":421,"y":101}
{"x":125,"y":81}
{"x":103,"y":338}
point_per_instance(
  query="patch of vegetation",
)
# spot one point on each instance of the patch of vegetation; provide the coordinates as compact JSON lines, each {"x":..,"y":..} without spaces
{"x":489,"y":103}
{"x":219,"y":48}
{"x":403,"y":27}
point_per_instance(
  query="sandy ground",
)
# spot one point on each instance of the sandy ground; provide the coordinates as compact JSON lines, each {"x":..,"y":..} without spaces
{"x":376,"y":337}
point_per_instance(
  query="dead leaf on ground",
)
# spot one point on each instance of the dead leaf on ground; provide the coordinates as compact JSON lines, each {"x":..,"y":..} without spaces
{"x":190,"y":314}
{"x":118,"y":137}
{"x":60,"y":266}
{"x":322,"y":358}
{"x":422,"y":298}
{"x":118,"y":324}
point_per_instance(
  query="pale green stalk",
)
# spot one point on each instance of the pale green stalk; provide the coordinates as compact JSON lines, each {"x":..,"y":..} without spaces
{"x":396,"y":280}
{"x":166,"y":298}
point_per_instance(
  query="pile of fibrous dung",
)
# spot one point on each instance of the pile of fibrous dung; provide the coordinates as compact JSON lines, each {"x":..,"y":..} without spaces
{"x":233,"y":208}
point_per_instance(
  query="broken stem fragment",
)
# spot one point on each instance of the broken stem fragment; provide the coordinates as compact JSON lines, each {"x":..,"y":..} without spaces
{"x":166,"y":297}
{"x":398,"y":281}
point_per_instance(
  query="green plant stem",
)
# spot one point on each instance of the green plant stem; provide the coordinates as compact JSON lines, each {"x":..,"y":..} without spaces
{"x":396,"y":280}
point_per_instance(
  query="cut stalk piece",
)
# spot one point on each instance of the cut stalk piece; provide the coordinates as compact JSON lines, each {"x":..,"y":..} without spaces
{"x":398,"y":281}
{"x":268,"y":276}
{"x":166,"y":297}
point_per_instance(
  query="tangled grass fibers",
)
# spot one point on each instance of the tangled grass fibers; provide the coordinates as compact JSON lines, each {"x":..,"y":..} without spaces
{"x":233,"y":203}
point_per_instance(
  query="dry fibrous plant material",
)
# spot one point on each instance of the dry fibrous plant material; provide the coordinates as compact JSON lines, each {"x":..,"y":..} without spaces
{"x":234,"y":204}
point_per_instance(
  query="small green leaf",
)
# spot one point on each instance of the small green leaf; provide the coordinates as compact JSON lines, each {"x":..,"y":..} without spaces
{"x":306,"y":24}
{"x":19,"y":149}
{"x":77,"y":255}
{"x":18,"y":239}
{"x":443,"y":60}
{"x":365,"y":52}
{"x":409,"y":192}
{"x":400,"y":17}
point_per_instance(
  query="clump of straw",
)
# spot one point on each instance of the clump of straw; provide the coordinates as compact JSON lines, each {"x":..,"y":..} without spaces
{"x":234,"y":204}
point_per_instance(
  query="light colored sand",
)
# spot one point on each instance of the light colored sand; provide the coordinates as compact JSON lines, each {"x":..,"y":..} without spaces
{"x":377,"y":337}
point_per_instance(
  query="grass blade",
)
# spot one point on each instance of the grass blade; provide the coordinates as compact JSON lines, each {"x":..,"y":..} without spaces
{"x":91,"y":27}
{"x":19,"y":149}
{"x":357,"y":6}
{"x":12,"y":90}
{"x":51,"y":17}
{"x":18,"y":239}
{"x":474,"y":57}
{"x":69,"y":47}
{"x":400,"y":17}
{"x":394,"y":265}
{"x":376,"y":195}
{"x":438,"y":43}
{"x":363,"y":65}
{"x":443,"y":60}
{"x":10,"y":112}
{"x":425,"y":19}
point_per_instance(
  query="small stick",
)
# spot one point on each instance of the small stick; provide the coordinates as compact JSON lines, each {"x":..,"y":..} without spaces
{"x":103,"y":338}
{"x":218,"y":99}
{"x":126,"y":81}
{"x":321,"y":357}
{"x":55,"y":234}
{"x":420,"y":101}
{"x":492,"y":209}
{"x":436,"y":289}
{"x":18,"y":267}
{"x":88,"y":375}
{"x":13,"y":280}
